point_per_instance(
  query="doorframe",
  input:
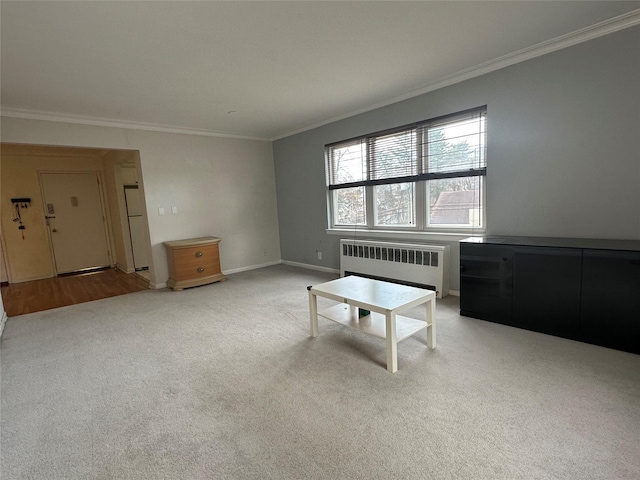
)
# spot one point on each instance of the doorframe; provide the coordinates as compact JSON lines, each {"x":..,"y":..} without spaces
{"x":103,"y":208}
{"x":4,"y":259}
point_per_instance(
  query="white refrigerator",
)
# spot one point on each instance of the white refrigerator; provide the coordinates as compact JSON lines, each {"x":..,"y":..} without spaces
{"x":136,"y":227}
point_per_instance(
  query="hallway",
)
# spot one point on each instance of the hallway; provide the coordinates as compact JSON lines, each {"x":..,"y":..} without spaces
{"x":38,"y":295}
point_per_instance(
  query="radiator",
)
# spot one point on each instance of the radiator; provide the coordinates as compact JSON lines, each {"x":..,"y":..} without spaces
{"x":425,"y":266}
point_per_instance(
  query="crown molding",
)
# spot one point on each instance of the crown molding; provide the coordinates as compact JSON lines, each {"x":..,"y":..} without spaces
{"x":621,"y":22}
{"x":107,"y":122}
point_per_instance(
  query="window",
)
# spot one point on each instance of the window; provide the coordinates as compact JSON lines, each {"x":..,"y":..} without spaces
{"x":428,"y":176}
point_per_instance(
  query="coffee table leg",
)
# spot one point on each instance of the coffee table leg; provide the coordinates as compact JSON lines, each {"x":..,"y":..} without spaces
{"x":431,"y":320}
{"x":313,"y":312}
{"x":392,"y":343}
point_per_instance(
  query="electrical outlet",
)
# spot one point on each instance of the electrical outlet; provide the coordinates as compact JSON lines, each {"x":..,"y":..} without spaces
{"x":174,"y":209}
{"x":319,"y":255}
{"x":160,"y":210}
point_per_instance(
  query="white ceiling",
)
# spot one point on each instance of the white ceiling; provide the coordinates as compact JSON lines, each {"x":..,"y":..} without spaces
{"x":264,"y":69}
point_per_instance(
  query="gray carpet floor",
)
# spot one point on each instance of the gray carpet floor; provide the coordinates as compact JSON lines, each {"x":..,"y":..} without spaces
{"x":224,"y":382}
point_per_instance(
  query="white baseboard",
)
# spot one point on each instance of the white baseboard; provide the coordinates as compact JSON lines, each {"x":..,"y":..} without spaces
{"x":3,"y":320}
{"x":262,"y":265}
{"x":251,"y":267}
{"x":31,"y":279}
{"x":311,"y":267}
{"x":158,"y":286}
{"x":124,"y":269}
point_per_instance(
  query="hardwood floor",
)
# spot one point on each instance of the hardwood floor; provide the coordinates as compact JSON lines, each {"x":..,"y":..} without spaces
{"x":29,"y":297}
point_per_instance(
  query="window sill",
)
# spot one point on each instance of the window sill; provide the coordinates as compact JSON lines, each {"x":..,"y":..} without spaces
{"x":403,"y":235}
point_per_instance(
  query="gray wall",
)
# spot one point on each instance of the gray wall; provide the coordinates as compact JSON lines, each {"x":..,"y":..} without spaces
{"x":563,"y":150}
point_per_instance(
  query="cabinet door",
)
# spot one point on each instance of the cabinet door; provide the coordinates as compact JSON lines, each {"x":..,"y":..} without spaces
{"x":486,"y":279}
{"x":611,"y":299}
{"x":546,"y":289}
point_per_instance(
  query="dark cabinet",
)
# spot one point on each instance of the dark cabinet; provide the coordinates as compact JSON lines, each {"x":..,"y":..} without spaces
{"x":546,"y":289}
{"x":611,"y":299}
{"x":587,"y":290}
{"x":486,"y":275}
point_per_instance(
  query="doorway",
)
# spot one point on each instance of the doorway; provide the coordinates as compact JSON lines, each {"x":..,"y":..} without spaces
{"x":76,"y":221}
{"x":32,"y":258}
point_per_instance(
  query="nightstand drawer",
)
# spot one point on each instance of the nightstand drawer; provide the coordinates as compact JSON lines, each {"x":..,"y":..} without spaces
{"x":187,"y":270}
{"x":197,"y":254}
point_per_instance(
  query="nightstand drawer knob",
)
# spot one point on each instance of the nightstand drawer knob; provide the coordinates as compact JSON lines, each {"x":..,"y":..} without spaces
{"x":201,"y":269}
{"x":198,"y":253}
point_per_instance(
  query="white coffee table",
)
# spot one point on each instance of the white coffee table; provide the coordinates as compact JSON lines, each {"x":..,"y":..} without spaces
{"x":385,"y":301}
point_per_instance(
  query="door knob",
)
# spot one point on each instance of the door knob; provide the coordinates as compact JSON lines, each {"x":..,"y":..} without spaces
{"x":54,"y":230}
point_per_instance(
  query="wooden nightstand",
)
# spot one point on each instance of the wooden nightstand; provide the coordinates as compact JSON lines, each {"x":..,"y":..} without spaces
{"x":193,"y":262}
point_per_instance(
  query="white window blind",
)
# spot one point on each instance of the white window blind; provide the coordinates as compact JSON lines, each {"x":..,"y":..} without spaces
{"x":424,"y":176}
{"x":447,"y":147}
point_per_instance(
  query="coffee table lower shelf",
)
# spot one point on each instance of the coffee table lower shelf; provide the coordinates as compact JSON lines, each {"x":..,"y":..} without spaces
{"x":374,"y":323}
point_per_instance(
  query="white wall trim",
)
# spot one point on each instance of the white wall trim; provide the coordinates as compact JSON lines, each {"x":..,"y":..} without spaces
{"x":606,"y":27}
{"x":31,"y":279}
{"x":311,"y":267}
{"x":107,"y":122}
{"x":124,"y":269}
{"x":251,"y":267}
{"x":3,"y":320}
{"x":255,"y":267}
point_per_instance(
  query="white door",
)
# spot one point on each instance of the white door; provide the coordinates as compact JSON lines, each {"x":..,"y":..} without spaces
{"x":76,"y":223}
{"x":136,"y":226}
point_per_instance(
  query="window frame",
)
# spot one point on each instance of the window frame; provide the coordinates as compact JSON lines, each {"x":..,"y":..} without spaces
{"x":421,"y":177}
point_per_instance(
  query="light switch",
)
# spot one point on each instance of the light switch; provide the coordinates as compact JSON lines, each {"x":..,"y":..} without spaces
{"x":161,"y":211}
{"x":174,"y":209}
